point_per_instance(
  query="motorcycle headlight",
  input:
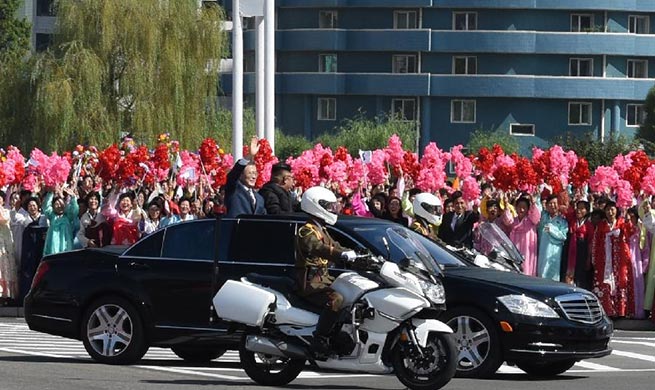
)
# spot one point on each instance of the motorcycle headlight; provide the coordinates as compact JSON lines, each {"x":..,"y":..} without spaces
{"x":520,"y":304}
{"x":434,"y":292}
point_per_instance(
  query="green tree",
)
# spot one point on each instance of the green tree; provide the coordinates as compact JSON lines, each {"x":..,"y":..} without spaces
{"x":362,"y":133}
{"x":487,"y":139}
{"x":647,"y":131}
{"x":14,"y":33}
{"x":594,"y":150}
{"x":142,"y":67}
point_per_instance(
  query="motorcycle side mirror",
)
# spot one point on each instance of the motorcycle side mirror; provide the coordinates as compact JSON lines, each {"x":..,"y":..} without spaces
{"x":493,"y":255}
{"x":404,"y":263}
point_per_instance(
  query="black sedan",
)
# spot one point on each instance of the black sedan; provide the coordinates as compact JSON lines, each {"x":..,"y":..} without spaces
{"x":120,"y":301}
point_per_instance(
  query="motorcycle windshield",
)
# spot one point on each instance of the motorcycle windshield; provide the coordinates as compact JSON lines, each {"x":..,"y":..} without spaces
{"x":492,"y":242}
{"x":411,"y":249}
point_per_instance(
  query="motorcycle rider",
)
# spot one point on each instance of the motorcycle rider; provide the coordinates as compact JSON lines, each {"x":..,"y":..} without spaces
{"x":315,"y":250}
{"x":428,"y":212}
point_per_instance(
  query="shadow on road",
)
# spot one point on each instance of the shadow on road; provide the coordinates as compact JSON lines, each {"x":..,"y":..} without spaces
{"x":528,"y":378}
{"x":43,"y":359}
{"x":241,"y":385}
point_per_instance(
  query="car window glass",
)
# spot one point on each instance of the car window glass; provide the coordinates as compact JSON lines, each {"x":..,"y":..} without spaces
{"x":150,"y":246}
{"x":227,"y":230}
{"x":263,"y":242}
{"x":190,"y":240}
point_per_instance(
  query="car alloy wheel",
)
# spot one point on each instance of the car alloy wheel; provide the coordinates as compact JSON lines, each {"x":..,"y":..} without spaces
{"x":478,"y":344}
{"x":112,"y":331}
{"x":109,"y":330}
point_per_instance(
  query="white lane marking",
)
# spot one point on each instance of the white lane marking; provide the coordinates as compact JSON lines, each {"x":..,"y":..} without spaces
{"x":505,"y":369}
{"x":196,"y":373}
{"x":596,"y":366}
{"x":633,"y":355}
{"x":635,"y":343}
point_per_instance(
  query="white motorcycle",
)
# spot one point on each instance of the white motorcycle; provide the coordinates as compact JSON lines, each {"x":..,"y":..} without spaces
{"x":388,"y":322}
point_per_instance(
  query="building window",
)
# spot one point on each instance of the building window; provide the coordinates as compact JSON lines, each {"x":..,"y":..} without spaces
{"x":327,"y":19}
{"x":46,"y":8}
{"x":462,"y":111}
{"x":465,"y":21}
{"x":327,"y":63}
{"x":579,"y":113}
{"x":405,"y":19}
{"x":582,"y":22}
{"x":465,"y":65}
{"x":404,"y":109}
{"x":636,"y":115}
{"x":404,"y":63}
{"x":639,"y":24}
{"x":521,"y":129}
{"x":581,"y":67}
{"x":637,"y":69}
{"x":327,"y":109}
{"x":249,"y":61}
{"x":43,"y":42}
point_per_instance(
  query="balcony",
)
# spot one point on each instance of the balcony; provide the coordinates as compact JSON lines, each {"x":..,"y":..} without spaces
{"x":505,"y":86}
{"x":347,"y":40}
{"x":355,"y":3}
{"x":536,"y":42}
{"x":610,"y":5}
{"x":544,"y":87}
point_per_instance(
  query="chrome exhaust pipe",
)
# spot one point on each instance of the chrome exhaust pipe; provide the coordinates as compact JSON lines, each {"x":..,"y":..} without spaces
{"x":265,"y":345}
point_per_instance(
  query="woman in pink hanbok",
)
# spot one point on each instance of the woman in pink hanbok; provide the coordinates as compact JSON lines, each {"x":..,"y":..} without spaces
{"x":639,"y":257}
{"x":523,"y":231}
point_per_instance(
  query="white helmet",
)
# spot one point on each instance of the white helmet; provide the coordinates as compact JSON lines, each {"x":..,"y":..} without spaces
{"x":428,"y":207}
{"x":320,"y":203}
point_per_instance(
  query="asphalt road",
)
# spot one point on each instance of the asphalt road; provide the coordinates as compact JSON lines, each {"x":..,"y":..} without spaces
{"x":30,"y":360}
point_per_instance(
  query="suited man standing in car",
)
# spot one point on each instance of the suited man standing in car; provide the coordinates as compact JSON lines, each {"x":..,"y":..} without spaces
{"x":277,"y":192}
{"x":457,"y":226}
{"x":240,"y":195}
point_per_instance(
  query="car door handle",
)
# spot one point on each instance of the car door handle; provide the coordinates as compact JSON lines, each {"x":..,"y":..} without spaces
{"x":136,"y":265}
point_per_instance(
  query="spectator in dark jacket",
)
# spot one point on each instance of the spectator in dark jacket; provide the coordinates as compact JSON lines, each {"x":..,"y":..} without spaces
{"x":276,"y":193}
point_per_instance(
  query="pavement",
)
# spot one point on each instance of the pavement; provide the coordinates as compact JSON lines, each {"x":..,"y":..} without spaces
{"x":619,"y":324}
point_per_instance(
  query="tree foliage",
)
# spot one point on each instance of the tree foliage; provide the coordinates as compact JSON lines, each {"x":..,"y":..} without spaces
{"x":362,"y":133}
{"x":133,"y":66}
{"x":594,"y":150}
{"x":480,"y":138}
{"x":14,"y":33}
{"x":647,"y":131}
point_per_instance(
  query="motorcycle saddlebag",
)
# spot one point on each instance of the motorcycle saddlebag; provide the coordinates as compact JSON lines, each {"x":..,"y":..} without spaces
{"x":243,"y":303}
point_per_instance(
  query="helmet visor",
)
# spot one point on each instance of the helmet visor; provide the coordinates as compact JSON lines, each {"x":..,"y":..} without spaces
{"x":432,"y":209}
{"x":329,"y":206}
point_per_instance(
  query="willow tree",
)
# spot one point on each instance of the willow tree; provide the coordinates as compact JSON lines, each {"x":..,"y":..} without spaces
{"x":132,"y":66}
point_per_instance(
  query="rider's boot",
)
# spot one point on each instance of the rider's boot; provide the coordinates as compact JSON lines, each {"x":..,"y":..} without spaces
{"x":321,"y":341}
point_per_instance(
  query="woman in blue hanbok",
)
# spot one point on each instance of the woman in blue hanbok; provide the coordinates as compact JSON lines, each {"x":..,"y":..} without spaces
{"x":62,"y":218}
{"x":552,"y":232}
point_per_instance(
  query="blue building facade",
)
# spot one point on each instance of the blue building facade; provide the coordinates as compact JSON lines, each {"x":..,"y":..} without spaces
{"x":532,"y":68}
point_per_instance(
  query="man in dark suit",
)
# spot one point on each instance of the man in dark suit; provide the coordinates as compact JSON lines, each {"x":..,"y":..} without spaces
{"x":240,"y":194}
{"x":276,"y":193}
{"x":457,"y":226}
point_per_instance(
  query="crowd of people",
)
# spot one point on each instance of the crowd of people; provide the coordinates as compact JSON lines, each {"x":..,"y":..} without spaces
{"x":573,"y":236}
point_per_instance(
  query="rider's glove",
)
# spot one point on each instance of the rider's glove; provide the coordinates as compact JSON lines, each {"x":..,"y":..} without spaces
{"x":349,"y":256}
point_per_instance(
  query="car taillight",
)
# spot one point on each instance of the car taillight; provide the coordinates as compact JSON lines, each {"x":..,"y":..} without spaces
{"x":40,"y":273}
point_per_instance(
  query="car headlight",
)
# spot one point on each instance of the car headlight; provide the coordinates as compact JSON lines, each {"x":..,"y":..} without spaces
{"x":520,"y":304}
{"x":434,"y":292}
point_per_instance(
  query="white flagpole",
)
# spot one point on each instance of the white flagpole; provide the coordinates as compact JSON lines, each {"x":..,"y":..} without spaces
{"x":237,"y":81}
{"x":259,"y":74}
{"x":269,"y":22}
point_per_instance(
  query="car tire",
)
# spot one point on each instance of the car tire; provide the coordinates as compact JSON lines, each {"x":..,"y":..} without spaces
{"x":112,"y":331}
{"x":545,"y":370}
{"x":478,"y":342}
{"x":198,"y":354}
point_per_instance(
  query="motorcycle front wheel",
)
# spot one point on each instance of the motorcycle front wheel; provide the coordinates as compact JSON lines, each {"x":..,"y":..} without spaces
{"x":432,"y":369}
{"x":269,"y":370}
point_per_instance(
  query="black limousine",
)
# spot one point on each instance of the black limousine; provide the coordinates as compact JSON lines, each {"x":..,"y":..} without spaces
{"x":120,"y":301}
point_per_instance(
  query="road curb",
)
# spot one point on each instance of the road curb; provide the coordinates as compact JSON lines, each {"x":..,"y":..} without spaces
{"x":639,"y":325}
{"x":11,"y":312}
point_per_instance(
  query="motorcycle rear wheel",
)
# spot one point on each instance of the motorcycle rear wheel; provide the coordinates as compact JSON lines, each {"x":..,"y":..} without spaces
{"x":432,"y":371}
{"x":269,"y":370}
